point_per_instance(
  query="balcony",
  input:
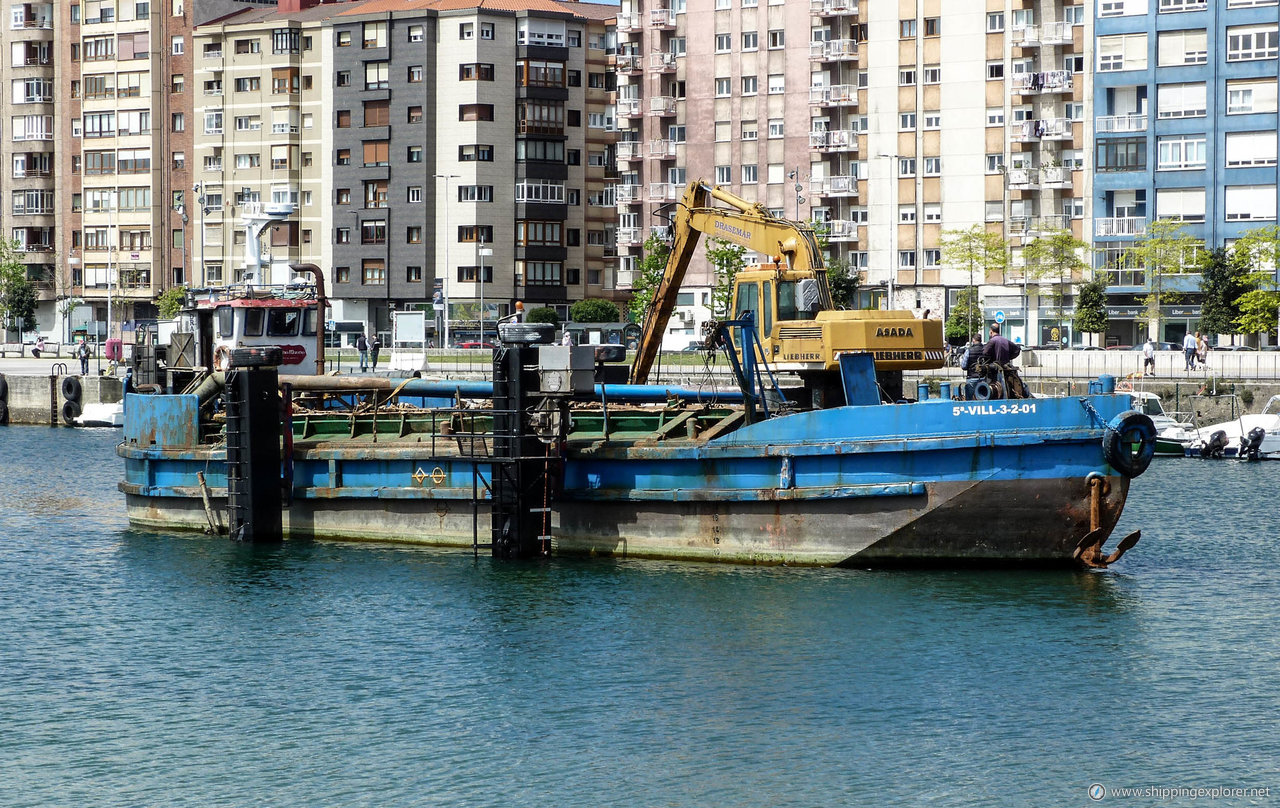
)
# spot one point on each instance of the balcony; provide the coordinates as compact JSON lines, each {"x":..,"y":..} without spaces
{"x":1118,"y":124}
{"x":628,"y":150}
{"x":1056,"y":33}
{"x":1058,"y":177}
{"x":1025,"y":37}
{"x":832,"y":8}
{"x":631,"y":63}
{"x":284,"y":128}
{"x":1022,"y":179}
{"x":841,"y":231}
{"x":41,"y":22}
{"x":629,"y":237}
{"x":1121,"y":226}
{"x":664,"y":191}
{"x":662,"y":62}
{"x":834,"y":50}
{"x":1175,"y":6}
{"x":834,"y":186}
{"x":628,"y":107}
{"x":1038,"y":225}
{"x":662,"y":106}
{"x":628,"y":23}
{"x":839,"y":95}
{"x":627,"y":194}
{"x":837,"y":140}
{"x":662,"y":149}
{"x":661,"y":231}
{"x":1051,"y":81}
{"x":662,"y":18}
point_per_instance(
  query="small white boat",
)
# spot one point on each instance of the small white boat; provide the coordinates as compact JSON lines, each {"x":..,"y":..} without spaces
{"x":1173,"y":437}
{"x":1253,"y":436}
{"x":102,"y":415}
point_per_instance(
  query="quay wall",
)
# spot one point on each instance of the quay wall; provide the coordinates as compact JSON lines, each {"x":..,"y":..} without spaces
{"x":40,"y":400}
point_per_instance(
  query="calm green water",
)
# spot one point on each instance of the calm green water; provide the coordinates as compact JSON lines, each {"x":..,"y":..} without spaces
{"x":142,"y":669}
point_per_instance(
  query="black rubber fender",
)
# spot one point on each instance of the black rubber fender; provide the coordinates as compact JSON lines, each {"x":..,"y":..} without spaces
{"x":70,"y":411}
{"x":262,"y":356}
{"x":4,"y":388}
{"x":526,"y":333}
{"x":4,"y":413}
{"x":71,"y":388}
{"x":1122,"y":433}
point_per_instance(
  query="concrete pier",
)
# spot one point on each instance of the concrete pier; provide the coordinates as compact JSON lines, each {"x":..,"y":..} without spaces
{"x":40,"y":400}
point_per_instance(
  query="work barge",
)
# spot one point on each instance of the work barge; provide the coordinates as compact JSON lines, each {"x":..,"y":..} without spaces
{"x":552,"y":458}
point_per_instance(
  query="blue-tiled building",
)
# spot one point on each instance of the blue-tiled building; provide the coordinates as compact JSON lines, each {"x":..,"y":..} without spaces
{"x":1185,"y":121}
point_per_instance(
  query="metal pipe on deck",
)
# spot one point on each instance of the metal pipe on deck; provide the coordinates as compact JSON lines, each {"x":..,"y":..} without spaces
{"x":629,"y":393}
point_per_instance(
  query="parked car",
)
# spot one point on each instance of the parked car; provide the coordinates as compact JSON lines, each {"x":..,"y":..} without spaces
{"x":692,"y":347}
{"x":1161,"y":346}
{"x":1234,"y":348}
{"x":474,"y":344}
{"x":1119,"y":347}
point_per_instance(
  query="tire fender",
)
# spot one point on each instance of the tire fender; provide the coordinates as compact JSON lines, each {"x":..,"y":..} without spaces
{"x":70,"y":411}
{"x":71,"y":388}
{"x":1121,"y":434}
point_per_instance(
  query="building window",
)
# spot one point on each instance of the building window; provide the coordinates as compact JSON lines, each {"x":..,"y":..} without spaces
{"x":932,"y":166}
{"x":750,"y":40}
{"x":724,"y":43}
{"x":1176,"y":48}
{"x":749,"y":85}
{"x":1189,"y":100}
{"x":474,"y":71}
{"x":933,"y":120}
{"x":415,"y":115}
{"x":475,"y":112}
{"x":724,"y":175}
{"x":932,"y":26}
{"x":777,"y":84}
{"x":1249,"y":42}
{"x":932,"y":74}
{"x":414,"y":74}
{"x":750,"y":174}
{"x":413,"y":274}
{"x":906,"y":121}
{"x":906,"y":166}
{"x":415,"y":193}
{"x":413,"y":235}
{"x":906,"y":77}
{"x":724,"y":88}
{"x":373,"y":271}
{"x":470,"y":153}
{"x":1178,"y":152}
{"x":906,"y":29}
{"x":342,"y":274}
{"x":995,"y":71}
{"x":777,"y":39}
{"x":178,"y":46}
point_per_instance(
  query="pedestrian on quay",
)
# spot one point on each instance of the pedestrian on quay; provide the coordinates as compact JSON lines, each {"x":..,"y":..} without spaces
{"x":39,"y":349}
{"x":374,"y":345}
{"x":362,"y":346}
{"x":1202,"y":350}
{"x":82,"y":353}
{"x":1149,"y":356}
{"x":1189,"y":344}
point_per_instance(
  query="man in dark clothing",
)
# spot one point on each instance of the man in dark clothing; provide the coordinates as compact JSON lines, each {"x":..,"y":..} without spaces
{"x":1000,"y":349}
{"x":969,"y":362}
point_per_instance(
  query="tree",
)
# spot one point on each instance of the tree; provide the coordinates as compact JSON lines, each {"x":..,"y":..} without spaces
{"x":17,"y":295}
{"x":543,"y":314}
{"x":844,"y":281}
{"x":1164,"y":250}
{"x":1055,"y":256}
{"x":1091,"y":307}
{"x":966,"y":316}
{"x":1257,"y":255}
{"x":1223,"y":280}
{"x":594,"y":310}
{"x":171,"y":301}
{"x":650,"y":268}
{"x":974,"y":249}
{"x":727,"y":259}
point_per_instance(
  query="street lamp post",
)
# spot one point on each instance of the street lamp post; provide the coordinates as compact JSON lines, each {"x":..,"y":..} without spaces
{"x":444,"y":286}
{"x":893,"y":224}
{"x":484,"y":251}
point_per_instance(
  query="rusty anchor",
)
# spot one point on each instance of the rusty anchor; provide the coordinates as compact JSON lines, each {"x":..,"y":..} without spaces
{"x":1089,"y":550}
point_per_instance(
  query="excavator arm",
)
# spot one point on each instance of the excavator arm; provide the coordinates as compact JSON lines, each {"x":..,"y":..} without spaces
{"x":746,"y":223}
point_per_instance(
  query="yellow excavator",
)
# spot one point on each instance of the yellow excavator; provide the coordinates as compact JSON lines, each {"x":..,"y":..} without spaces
{"x":799,"y":329}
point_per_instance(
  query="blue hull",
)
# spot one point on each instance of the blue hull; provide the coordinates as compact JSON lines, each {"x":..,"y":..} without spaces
{"x":929,"y":481}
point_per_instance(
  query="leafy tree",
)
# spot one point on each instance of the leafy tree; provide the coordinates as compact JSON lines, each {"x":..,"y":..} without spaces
{"x":1055,"y":256}
{"x":543,"y":314}
{"x":1224,"y":282}
{"x":1166,"y":249}
{"x":17,"y":295}
{"x":1257,"y":255}
{"x":844,"y":281}
{"x":170,"y":301}
{"x":1091,"y":307}
{"x":966,"y":316}
{"x":649,"y":270}
{"x":594,"y":310}
{"x":976,"y":250}
{"x":727,"y":259}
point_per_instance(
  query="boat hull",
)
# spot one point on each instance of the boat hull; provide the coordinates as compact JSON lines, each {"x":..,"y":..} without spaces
{"x":1039,"y":520}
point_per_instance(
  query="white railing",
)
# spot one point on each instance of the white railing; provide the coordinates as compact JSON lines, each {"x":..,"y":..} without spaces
{"x":628,"y":107}
{"x":661,"y":18}
{"x":628,"y":150}
{"x":841,"y":230}
{"x":629,"y":236}
{"x":662,"y":148}
{"x":662,"y":105}
{"x":834,"y":140}
{"x":1056,"y":176}
{"x":1051,"y":81}
{"x":664,"y":191}
{"x":1121,"y":226}
{"x":836,"y":95}
{"x":834,"y":186}
{"x":630,"y":62}
{"x":628,"y":22}
{"x":833,"y":7}
{"x":1055,"y":33}
{"x":662,"y":61}
{"x":626,"y":194}
{"x":1027,"y":36}
{"x":834,"y":49}
{"x":1133,"y":122}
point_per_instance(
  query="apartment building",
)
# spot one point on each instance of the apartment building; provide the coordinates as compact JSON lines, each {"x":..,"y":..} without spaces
{"x":27,"y":153}
{"x":453,"y":149}
{"x":886,"y":123}
{"x":1185,"y":121}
